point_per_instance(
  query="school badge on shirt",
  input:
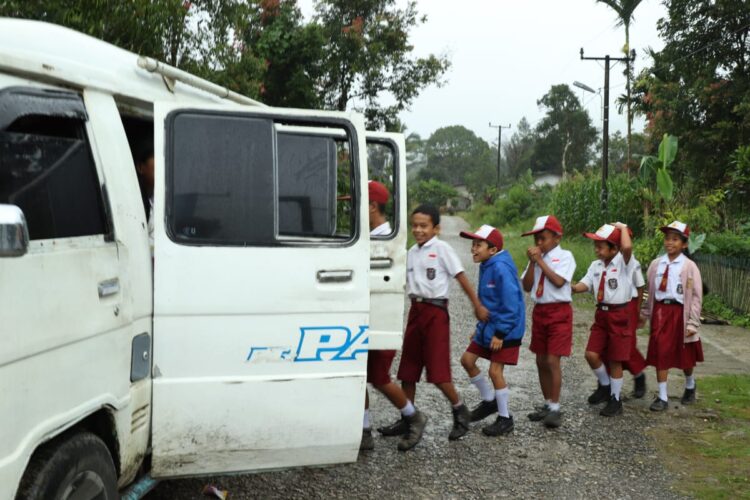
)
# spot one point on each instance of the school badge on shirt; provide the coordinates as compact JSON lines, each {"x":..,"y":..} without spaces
{"x":679,"y":289}
{"x":612,"y":282}
{"x":430,"y":273}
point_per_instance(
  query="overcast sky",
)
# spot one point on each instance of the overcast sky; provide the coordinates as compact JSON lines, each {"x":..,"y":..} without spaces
{"x":506,"y":54}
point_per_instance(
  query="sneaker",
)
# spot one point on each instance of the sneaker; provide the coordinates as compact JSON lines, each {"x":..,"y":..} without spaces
{"x":658,"y":405}
{"x":417,"y":423}
{"x":539,"y":413}
{"x":461,"y":419}
{"x":397,"y":428}
{"x":483,"y":410}
{"x":613,"y":408}
{"x":600,"y":395}
{"x":688,"y":397}
{"x":367,"y":443}
{"x":553,"y":419}
{"x":501,"y":425}
{"x":639,"y":386}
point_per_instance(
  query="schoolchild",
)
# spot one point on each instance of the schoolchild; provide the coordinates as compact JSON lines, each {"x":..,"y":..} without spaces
{"x":547,"y":279}
{"x":431,"y":264}
{"x":610,"y":279}
{"x":379,"y":361}
{"x":675,"y":296}
{"x":499,"y":338}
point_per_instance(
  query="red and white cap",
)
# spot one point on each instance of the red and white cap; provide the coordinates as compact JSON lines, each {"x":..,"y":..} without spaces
{"x":378,"y":192}
{"x":677,"y":226}
{"x":548,"y":222}
{"x":486,"y":232}
{"x":607,"y":232}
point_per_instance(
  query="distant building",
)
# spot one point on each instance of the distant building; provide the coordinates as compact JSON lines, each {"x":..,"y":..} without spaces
{"x":546,"y":179}
{"x":462,"y":202}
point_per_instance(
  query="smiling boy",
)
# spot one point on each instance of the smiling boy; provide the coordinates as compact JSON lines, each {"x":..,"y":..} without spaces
{"x":431,"y":265}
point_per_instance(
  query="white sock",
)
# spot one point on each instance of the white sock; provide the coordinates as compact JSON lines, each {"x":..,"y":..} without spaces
{"x":483,"y":385}
{"x":663,"y":391}
{"x":366,"y":420}
{"x":547,"y":402}
{"x":689,"y":382}
{"x":601,"y":374}
{"x":458,"y":405}
{"x":616,"y":387}
{"x":502,"y":395}
{"x":408,"y":410}
{"x":554,"y":406}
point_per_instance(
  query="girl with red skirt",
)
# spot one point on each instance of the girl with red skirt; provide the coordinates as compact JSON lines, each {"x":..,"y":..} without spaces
{"x":675,"y":296}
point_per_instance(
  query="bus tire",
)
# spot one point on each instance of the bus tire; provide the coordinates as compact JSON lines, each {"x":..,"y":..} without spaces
{"x":79,"y":466}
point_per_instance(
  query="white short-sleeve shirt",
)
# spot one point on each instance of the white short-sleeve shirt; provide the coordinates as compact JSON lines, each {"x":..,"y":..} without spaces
{"x":638,"y":280}
{"x":674,"y":285}
{"x":382,"y":230}
{"x":564,"y":265}
{"x":430,"y":269}
{"x":618,"y":282}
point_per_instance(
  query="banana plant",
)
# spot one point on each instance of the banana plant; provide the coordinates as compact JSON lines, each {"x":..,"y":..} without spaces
{"x":658,"y":167}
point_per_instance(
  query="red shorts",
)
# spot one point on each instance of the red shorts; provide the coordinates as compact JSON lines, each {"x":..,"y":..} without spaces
{"x":506,"y":355}
{"x":379,"y":367}
{"x":666,"y":346}
{"x":426,"y":345}
{"x":611,"y":336}
{"x":552,"y":329}
{"x":636,"y":363}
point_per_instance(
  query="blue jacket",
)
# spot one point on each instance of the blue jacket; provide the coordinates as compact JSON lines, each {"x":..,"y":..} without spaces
{"x":499,"y":291}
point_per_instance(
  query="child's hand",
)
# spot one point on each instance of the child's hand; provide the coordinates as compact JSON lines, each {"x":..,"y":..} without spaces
{"x":482,"y":313}
{"x":690,"y":332}
{"x":496,"y":344}
{"x":534,"y":254}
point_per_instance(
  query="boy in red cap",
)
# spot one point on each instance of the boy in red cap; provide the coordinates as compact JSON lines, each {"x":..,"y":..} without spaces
{"x":610,"y":279}
{"x":499,"y":338}
{"x":675,"y":296}
{"x":379,"y":361}
{"x":547,"y":279}
{"x":431,"y":265}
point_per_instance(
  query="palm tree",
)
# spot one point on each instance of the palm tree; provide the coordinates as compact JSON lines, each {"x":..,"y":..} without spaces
{"x":625,"y":10}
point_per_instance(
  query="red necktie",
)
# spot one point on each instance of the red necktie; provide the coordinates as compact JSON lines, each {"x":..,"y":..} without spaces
{"x":540,"y":286}
{"x":664,"y":278}
{"x":600,"y":292}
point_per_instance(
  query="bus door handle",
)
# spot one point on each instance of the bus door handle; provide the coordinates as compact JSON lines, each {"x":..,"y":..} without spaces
{"x":337,"y":276}
{"x":109,"y":287}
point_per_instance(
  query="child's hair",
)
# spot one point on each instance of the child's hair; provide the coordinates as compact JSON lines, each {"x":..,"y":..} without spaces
{"x":381,"y":207}
{"x":430,"y":210}
{"x":610,"y":244}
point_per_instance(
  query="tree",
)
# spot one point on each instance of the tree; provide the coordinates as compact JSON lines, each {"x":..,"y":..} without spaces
{"x":698,"y":88}
{"x":564,"y":135}
{"x":431,"y":191}
{"x":416,"y":158}
{"x":367,"y":55}
{"x":519,"y":151}
{"x":198,"y":36}
{"x":625,"y":10}
{"x":455,"y":155}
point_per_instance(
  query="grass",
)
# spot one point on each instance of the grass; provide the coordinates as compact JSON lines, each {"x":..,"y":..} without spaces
{"x":713,"y":304}
{"x":714,"y":453}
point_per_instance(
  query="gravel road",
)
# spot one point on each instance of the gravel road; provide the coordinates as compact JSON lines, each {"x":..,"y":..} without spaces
{"x":588,"y":457}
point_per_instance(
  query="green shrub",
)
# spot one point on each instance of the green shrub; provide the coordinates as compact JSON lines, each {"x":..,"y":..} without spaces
{"x":728,"y":244}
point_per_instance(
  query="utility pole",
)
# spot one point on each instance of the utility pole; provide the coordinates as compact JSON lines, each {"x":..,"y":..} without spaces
{"x":605,"y":120}
{"x":499,"y":143}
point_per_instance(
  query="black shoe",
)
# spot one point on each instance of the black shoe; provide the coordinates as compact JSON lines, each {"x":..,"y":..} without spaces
{"x":658,"y":405}
{"x":553,"y":419}
{"x":501,"y":425}
{"x":600,"y":395}
{"x":367,"y":443}
{"x":461,"y":419}
{"x":688,"y":397}
{"x":614,"y":407}
{"x":539,"y":413}
{"x":397,"y":428}
{"x":417,"y":423}
{"x":639,"y":386}
{"x":483,"y":410}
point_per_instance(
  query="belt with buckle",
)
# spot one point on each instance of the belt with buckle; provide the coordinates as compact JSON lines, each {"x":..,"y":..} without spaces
{"x":610,"y":307}
{"x":670,"y":302}
{"x":433,"y":302}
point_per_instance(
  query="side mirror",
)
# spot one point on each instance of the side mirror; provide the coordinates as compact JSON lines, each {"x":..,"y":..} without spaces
{"x":14,"y":234}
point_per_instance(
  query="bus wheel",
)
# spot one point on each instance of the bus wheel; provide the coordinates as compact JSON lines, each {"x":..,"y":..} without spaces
{"x":78,"y":467}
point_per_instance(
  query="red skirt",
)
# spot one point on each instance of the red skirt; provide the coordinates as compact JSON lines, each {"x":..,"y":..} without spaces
{"x":667,"y":347}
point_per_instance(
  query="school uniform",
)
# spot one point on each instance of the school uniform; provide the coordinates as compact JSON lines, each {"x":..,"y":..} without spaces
{"x":674,"y":304}
{"x":552,"y":316}
{"x":430,"y":268}
{"x":637,"y":363}
{"x":499,"y":290}
{"x":379,"y":361}
{"x":611,"y":284}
